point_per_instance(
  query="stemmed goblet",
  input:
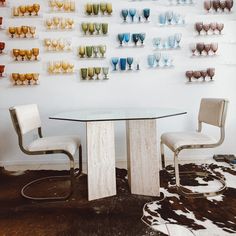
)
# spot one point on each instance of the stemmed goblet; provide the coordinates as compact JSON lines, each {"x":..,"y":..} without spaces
{"x":103,"y":7}
{"x":146,"y":13}
{"x":229,"y":4}
{"x":135,"y":38}
{"x":199,"y":27}
{"x":211,"y":72}
{"x":130,"y":61}
{"x":142,"y":38}
{"x":25,"y":30}
{"x":207,"y":5}
{"x":200,"y":47}
{"x":132,"y":13}
{"x":105,"y":71}
{"x":203,"y":74}
{"x":206,"y":27}
{"x":220,"y":27}
{"x":115,"y":61}
{"x":12,"y":31}
{"x":16,"y":53}
{"x":109,"y":8}
{"x":121,"y":39}
{"x":197,"y":74}
{"x":97,"y":71}
{"x":126,"y":37}
{"x":178,"y":37}
{"x":207,"y":48}
{"x":84,"y":73}
{"x":98,"y":27}
{"x":124,"y":14}
{"x":189,"y":75}
{"x":102,"y":50}
{"x":81,"y":51}
{"x":158,"y":58}
{"x":2,"y":46}
{"x":214,"y":47}
{"x":84,"y":27}
{"x":35,"y":52}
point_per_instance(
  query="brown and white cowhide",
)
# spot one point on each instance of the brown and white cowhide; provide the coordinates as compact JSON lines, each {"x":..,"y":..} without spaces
{"x":213,"y":216}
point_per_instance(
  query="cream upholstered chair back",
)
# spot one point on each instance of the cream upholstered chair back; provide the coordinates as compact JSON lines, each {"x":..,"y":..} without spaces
{"x":25,"y":118}
{"x":213,"y":111}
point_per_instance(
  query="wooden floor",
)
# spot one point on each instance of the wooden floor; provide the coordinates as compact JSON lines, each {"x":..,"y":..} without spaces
{"x":123,"y":214}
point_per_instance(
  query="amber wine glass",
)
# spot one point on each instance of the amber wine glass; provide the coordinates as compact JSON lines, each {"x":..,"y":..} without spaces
{"x":15,"y":77}
{"x":32,"y":30}
{"x":66,"y":5}
{"x":19,"y":31}
{"x":47,"y":43}
{"x":35,"y":52}
{"x":16,"y":53}
{"x":12,"y":31}
{"x":30,"y":9}
{"x":36,"y":8}
{"x":70,"y":22}
{"x":22,"y":9}
{"x":65,"y":66}
{"x":28,"y":77}
{"x":49,"y":23}
{"x":35,"y":77}
{"x":25,"y":30}
{"x":22,"y":53}
{"x":22,"y":78}
{"x":29,"y":54}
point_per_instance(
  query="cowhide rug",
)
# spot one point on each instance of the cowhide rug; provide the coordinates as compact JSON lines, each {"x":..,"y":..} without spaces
{"x":213,"y":216}
{"x":120,"y":215}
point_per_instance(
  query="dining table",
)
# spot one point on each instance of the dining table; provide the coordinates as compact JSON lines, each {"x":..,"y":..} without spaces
{"x":142,"y":147}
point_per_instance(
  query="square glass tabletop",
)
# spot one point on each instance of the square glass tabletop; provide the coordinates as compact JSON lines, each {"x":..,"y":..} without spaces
{"x":113,"y":114}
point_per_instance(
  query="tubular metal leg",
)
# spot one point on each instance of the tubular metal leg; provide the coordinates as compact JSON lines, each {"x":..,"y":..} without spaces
{"x":176,"y":169}
{"x":71,"y":178}
{"x":163,"y":165}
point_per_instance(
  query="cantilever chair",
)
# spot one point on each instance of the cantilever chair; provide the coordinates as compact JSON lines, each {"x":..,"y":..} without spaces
{"x":213,"y":112}
{"x":25,"y":119}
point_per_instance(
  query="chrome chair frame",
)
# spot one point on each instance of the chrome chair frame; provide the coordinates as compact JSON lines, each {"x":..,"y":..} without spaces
{"x":180,"y":188}
{"x":73,"y":173}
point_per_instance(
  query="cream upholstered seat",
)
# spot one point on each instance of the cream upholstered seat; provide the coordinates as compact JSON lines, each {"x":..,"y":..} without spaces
{"x":176,"y":140}
{"x":25,"y":119}
{"x":68,"y":143}
{"x":213,"y":112}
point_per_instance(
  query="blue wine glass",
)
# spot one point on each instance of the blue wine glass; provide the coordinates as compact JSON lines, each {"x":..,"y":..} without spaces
{"x":130,"y":61}
{"x":123,"y":62}
{"x":178,"y":37}
{"x":158,"y":58}
{"x":115,"y":61}
{"x":157,"y":42}
{"x":127,"y":37}
{"x":146,"y":13}
{"x":151,"y":60}
{"x":124,"y":13}
{"x":121,"y":38}
{"x":169,"y":17}
{"x":142,"y":37}
{"x":162,"y":19}
{"x":135,"y":38}
{"x":171,"y":41}
{"x":132,"y":13}
{"x":165,"y":58}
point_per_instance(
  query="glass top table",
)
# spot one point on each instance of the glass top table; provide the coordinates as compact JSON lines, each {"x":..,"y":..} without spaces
{"x":141,"y":142}
{"x":89,"y":115}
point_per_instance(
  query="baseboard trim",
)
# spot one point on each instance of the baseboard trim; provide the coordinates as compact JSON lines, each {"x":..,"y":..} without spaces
{"x":62,"y":164}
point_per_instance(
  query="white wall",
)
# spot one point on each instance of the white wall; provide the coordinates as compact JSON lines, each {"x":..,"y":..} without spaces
{"x":148,"y":88}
